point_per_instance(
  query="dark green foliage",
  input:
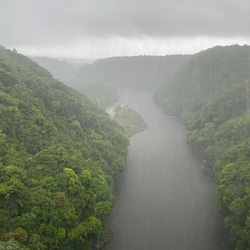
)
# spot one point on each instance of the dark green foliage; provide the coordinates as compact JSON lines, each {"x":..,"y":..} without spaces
{"x":221,"y":131}
{"x":203,"y":77}
{"x":212,"y":93}
{"x":59,"y":154}
{"x":103,"y":95}
{"x":233,"y":194}
{"x":222,"y":123}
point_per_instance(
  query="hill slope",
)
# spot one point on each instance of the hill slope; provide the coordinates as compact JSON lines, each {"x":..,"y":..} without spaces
{"x":213,"y":92}
{"x":60,"y":70}
{"x":59,"y":154}
{"x":143,"y":72}
{"x":103,"y":95}
{"x":220,"y":133}
{"x":203,"y":77}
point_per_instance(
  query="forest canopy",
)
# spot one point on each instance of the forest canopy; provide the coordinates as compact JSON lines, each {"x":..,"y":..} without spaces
{"x":59,"y":157}
{"x":211,"y":94}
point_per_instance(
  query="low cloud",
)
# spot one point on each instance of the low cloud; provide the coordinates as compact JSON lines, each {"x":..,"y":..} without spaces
{"x":65,"y":23}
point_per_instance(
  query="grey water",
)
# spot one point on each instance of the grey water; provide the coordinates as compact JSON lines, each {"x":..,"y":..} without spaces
{"x":165,"y":197}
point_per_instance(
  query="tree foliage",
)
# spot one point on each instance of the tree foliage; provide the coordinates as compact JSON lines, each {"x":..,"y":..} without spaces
{"x":220,"y":132}
{"x":212,"y":93}
{"x":58,"y":158}
{"x":203,"y":78}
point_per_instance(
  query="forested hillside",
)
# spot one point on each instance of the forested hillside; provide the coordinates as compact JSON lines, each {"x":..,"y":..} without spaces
{"x":203,"y":77}
{"x":214,"y":88}
{"x":60,"y":70}
{"x":142,"y":72}
{"x":59,"y":155}
{"x":99,"y":80}
{"x":103,"y":95}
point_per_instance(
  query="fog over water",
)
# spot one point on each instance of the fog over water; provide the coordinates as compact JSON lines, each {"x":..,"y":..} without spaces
{"x":165,"y":197}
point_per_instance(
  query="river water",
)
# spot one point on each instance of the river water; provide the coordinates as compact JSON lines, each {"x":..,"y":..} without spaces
{"x":165,"y":197}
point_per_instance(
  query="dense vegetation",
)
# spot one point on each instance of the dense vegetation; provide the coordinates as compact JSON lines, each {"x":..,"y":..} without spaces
{"x":203,"y":77}
{"x":103,"y":95}
{"x":59,"y":155}
{"x":60,"y":70}
{"x":221,"y":132}
{"x":99,"y":80}
{"x":131,"y":121}
{"x":217,"y":92}
{"x":143,"y":72}
{"x":210,"y":91}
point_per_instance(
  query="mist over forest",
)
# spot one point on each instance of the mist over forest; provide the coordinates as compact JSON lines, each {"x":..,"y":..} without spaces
{"x":62,"y":155}
{"x":124,"y":125}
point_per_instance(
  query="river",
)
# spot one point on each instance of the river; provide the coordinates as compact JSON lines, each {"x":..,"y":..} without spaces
{"x":165,"y":197}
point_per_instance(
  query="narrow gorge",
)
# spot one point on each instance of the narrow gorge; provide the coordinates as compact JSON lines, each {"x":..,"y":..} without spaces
{"x":165,"y":197}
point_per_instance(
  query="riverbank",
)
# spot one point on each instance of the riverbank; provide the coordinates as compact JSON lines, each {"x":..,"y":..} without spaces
{"x":131,"y":121}
{"x":165,"y":197}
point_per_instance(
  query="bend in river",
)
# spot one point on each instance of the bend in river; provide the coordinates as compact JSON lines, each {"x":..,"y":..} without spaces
{"x":165,"y":197}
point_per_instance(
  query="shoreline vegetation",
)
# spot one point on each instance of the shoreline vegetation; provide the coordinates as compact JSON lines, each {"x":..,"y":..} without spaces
{"x":57,"y":148}
{"x":60,"y":155}
{"x":211,"y":94}
{"x":131,"y":121}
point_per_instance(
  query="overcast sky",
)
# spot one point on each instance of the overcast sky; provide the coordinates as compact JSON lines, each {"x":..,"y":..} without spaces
{"x":104,"y":28}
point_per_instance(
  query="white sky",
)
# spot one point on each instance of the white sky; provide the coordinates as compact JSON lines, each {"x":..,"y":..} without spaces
{"x":104,"y":28}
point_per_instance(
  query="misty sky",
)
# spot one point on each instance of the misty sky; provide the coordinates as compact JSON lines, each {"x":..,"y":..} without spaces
{"x":104,"y":28}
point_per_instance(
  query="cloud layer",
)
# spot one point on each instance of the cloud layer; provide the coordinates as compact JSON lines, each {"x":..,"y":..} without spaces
{"x":63,"y":22}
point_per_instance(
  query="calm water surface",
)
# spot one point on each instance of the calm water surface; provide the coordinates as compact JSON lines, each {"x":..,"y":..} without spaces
{"x":165,"y":197}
